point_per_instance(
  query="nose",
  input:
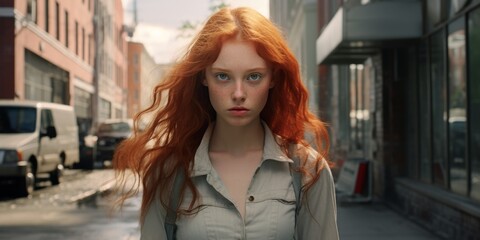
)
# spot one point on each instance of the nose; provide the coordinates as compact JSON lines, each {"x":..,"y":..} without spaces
{"x":239,"y":94}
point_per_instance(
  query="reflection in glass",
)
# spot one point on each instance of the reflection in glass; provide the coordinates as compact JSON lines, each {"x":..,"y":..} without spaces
{"x":474,"y":101}
{"x":424,"y":114}
{"x":353,"y":107}
{"x":439,"y":107}
{"x":457,"y":106}
{"x":359,"y":112}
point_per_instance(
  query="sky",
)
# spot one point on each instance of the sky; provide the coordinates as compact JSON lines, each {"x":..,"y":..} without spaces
{"x":159,"y":22}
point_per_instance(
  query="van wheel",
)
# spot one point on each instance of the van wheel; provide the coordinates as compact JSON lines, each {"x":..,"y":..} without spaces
{"x":26,"y":185}
{"x":56,"y":174}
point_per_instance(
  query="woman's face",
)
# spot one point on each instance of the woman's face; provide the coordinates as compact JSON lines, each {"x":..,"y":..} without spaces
{"x":238,"y":83}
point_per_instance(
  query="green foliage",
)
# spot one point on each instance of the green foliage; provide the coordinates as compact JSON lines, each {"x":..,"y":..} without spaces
{"x":188,"y":28}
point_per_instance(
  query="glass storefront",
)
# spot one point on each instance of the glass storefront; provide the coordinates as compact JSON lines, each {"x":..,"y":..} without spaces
{"x":83,"y":110}
{"x":45,"y":81}
{"x":105,"y":110}
{"x":448,"y":109}
{"x":439,"y":107}
{"x":474,"y":101}
{"x":457,"y":104}
{"x":424,"y":115}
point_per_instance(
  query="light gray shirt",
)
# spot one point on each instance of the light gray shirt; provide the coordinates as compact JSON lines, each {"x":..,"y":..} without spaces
{"x":269,"y":204}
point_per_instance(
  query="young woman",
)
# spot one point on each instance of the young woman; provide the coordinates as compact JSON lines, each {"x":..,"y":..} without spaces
{"x":233,"y":128}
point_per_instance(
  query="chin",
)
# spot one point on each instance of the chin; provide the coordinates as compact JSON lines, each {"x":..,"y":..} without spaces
{"x":240,"y":122}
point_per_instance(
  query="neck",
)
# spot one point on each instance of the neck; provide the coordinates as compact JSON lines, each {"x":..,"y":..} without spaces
{"x":237,"y":140}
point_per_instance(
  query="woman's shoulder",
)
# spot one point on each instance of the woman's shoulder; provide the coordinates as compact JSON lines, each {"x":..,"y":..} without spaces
{"x":311,"y":161}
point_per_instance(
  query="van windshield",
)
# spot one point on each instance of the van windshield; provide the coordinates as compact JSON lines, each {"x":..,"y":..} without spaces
{"x":17,"y":119}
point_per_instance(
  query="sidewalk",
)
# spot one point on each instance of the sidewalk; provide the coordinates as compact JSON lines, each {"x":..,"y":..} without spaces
{"x":372,"y":221}
{"x":356,"y":221}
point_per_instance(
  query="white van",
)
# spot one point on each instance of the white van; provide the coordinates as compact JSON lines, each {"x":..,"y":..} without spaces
{"x":36,"y":138}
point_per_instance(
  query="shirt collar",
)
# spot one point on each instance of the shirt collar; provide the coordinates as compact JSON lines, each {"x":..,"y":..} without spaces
{"x":271,"y":151}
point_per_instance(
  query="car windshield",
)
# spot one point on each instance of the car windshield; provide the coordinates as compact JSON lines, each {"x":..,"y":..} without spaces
{"x":114,"y":127}
{"x":17,"y":119}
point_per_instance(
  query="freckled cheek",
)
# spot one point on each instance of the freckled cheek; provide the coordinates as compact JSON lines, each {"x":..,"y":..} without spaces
{"x":261,"y":97}
{"x":217,"y":97}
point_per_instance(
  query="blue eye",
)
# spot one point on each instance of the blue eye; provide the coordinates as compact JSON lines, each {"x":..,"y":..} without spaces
{"x":254,"y":77}
{"x":222,"y":76}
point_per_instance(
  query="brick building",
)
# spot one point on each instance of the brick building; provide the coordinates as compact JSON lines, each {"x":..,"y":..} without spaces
{"x":48,"y":52}
{"x":143,"y":75}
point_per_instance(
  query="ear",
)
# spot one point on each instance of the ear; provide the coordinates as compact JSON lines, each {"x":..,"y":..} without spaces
{"x":204,"y":82}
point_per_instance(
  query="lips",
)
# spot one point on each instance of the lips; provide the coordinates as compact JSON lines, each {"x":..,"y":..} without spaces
{"x":238,"y":111}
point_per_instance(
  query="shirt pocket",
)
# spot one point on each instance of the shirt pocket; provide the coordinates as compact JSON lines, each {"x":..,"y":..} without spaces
{"x":271,"y":214}
{"x":212,"y":219}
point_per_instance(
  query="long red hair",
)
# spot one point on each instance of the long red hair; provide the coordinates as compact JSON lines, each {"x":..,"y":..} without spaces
{"x":170,"y":141}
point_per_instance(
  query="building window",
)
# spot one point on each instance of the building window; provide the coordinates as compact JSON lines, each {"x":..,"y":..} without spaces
{"x":457,"y":87}
{"x":47,"y":16}
{"x":83,"y":103}
{"x":474,"y":101}
{"x":66,"y":28}
{"x":57,"y":21}
{"x":44,"y":81}
{"x":76,"y":38}
{"x":136,"y":77}
{"x":83,"y":111}
{"x":424,"y":115}
{"x":135,"y":58}
{"x":83,"y":44}
{"x":439,"y":107}
{"x":90,"y":49}
{"x":361,"y":77}
{"x":105,"y":111}
{"x":448,"y":103}
{"x":32,"y":10}
{"x":118,"y":113}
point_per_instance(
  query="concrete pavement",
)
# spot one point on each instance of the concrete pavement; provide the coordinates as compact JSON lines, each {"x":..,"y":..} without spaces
{"x":375,"y":221}
{"x":356,"y":221}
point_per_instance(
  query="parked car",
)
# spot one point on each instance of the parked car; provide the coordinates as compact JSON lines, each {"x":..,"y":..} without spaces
{"x":109,"y":134}
{"x":36,"y":138}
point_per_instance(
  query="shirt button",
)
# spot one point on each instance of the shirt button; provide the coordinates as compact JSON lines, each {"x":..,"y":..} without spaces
{"x":251,"y":198}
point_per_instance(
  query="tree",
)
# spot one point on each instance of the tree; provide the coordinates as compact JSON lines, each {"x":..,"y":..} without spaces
{"x":189,"y":28}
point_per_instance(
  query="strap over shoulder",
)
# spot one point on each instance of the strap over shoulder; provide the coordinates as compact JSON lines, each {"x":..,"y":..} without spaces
{"x":174,"y":201}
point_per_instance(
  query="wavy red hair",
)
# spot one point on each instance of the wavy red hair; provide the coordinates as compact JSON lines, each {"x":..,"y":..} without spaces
{"x":169,"y":142}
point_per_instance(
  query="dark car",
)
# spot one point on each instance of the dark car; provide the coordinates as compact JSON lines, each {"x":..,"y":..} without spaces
{"x":109,"y":134}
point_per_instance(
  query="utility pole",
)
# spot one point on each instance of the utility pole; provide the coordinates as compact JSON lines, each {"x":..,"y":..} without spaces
{"x":98,"y":33}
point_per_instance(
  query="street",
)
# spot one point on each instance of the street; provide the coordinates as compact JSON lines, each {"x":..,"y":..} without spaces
{"x":80,"y":208}
{"x":72,"y":210}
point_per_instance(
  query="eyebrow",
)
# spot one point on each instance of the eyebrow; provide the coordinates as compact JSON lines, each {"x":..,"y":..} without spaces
{"x":248,"y":70}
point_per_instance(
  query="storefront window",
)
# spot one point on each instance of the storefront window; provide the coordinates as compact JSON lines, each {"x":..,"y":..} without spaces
{"x":358,"y":114}
{"x":105,"y":109}
{"x":45,"y":81}
{"x":474,"y":101}
{"x":436,"y":13}
{"x":353,"y":107}
{"x":456,"y":6}
{"x":439,"y":107}
{"x":457,"y":107}
{"x":424,"y":114}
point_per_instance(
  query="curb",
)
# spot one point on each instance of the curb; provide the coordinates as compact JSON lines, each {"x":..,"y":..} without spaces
{"x":90,"y":196}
